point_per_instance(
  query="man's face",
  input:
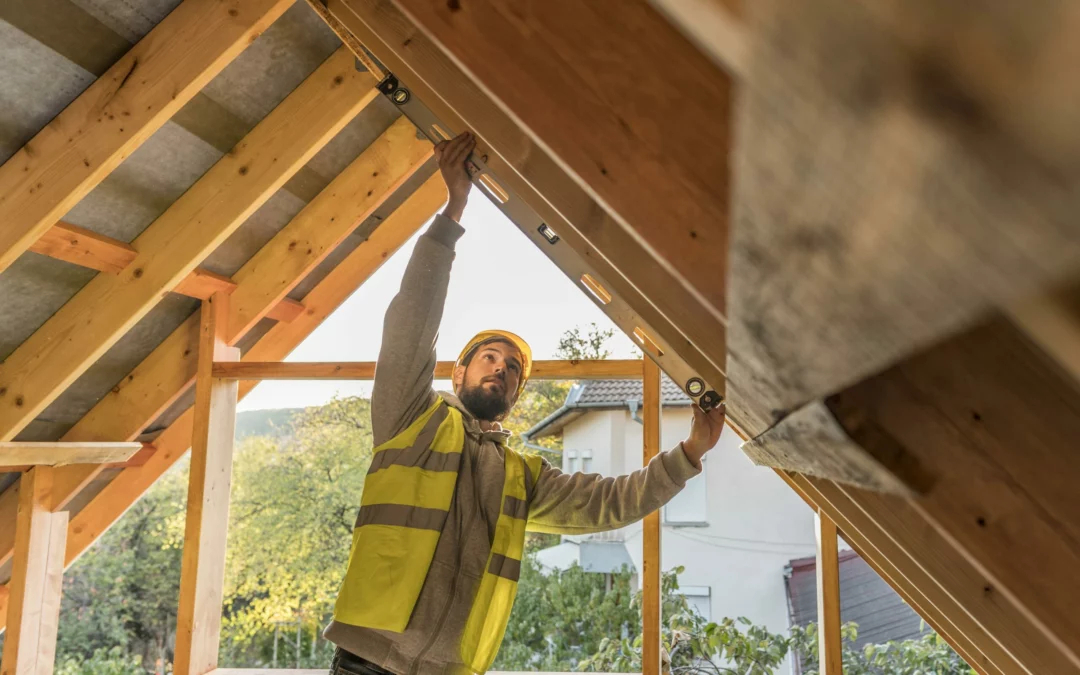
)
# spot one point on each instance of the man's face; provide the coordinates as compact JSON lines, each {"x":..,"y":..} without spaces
{"x":488,"y":385}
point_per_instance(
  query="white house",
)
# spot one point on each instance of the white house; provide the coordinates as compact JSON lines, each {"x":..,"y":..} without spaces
{"x":734,"y":528}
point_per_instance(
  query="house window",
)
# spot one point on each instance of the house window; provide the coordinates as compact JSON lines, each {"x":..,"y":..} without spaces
{"x":700,"y":598}
{"x":689,"y":507}
{"x":586,"y":461}
{"x":571,"y":461}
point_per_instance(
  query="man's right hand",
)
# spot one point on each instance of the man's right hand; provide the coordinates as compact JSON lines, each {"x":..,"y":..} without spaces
{"x":451,"y":156}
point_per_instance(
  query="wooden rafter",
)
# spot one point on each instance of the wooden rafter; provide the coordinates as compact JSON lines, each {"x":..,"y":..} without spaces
{"x":531,"y":172}
{"x":170,"y":369}
{"x":54,"y":454}
{"x":120,"y":110}
{"x":607,"y":369}
{"x":218,"y":203}
{"x":559,"y":67}
{"x":105,"y":508}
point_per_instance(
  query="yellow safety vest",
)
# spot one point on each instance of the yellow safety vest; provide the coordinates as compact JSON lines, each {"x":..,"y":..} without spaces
{"x":406,"y":501}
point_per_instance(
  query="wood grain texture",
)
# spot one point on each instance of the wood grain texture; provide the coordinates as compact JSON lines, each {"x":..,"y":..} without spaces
{"x":964,"y":597}
{"x":202,"y":571}
{"x":170,"y":248}
{"x":903,"y":168}
{"x":996,"y":422}
{"x":85,"y":248}
{"x":54,"y":454}
{"x":811,"y":441}
{"x":929,"y":600}
{"x":656,"y":294}
{"x":649,"y":137}
{"x":173,"y":443}
{"x":606,"y":369}
{"x":120,"y":110}
{"x":33,"y":608}
{"x":827,"y":571}
{"x":651,"y":583}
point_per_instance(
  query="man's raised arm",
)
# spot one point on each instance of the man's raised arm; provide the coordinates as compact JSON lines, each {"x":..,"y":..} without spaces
{"x":406,"y":365}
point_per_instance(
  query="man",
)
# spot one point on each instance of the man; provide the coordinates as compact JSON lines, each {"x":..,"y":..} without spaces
{"x":438,"y":541}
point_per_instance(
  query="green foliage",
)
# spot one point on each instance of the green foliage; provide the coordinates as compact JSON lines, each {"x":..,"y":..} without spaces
{"x":295,"y":499}
{"x":925,"y":655}
{"x":114,"y":661}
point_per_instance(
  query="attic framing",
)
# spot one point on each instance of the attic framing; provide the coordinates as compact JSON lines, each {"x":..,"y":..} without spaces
{"x":872,"y":256}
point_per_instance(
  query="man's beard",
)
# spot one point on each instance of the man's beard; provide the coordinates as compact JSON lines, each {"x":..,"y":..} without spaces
{"x":490,"y":407}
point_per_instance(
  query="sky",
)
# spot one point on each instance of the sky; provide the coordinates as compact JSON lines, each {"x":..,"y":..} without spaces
{"x":500,"y":279}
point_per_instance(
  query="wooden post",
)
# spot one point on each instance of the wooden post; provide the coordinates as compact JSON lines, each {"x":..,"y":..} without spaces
{"x":828,"y":597}
{"x":36,"y":578}
{"x":202,"y":573}
{"x":650,"y":572}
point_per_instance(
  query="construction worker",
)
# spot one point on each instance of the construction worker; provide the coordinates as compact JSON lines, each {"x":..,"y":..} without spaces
{"x":438,"y":541}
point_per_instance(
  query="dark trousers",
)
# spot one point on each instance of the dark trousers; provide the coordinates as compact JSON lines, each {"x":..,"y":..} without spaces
{"x":347,"y":663}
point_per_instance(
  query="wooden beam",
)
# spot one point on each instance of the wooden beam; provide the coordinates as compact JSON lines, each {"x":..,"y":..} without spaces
{"x":1052,"y":320}
{"x":830,"y":642}
{"x":646,"y":164}
{"x":347,"y":38}
{"x":56,"y":454}
{"x":715,"y":26}
{"x":934,"y":613}
{"x":876,"y":223}
{"x":202,"y":572}
{"x":218,"y":203}
{"x":120,"y":110}
{"x":33,"y":612}
{"x":992,"y":631}
{"x":606,"y":369}
{"x":85,"y":248}
{"x":693,"y":340}
{"x":126,"y":488}
{"x":651,"y":582}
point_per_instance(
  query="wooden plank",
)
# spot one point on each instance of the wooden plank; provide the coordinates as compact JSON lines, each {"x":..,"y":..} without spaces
{"x":202,"y":571}
{"x":605,"y":369}
{"x":830,"y":642}
{"x":347,"y":38}
{"x":1052,"y":320}
{"x":88,"y":249}
{"x":644,"y":161}
{"x":85,"y":248}
{"x":33,"y":612}
{"x":1004,"y":636}
{"x":933,"y":612}
{"x":126,"y":488}
{"x":715,"y":26}
{"x":218,"y":203}
{"x":894,"y":185}
{"x":120,"y":110}
{"x":651,"y":583}
{"x":305,"y":242}
{"x":56,"y":454}
{"x":656,"y":295}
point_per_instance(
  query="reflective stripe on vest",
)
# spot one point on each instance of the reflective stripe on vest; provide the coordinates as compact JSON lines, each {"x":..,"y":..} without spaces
{"x":494,"y":600}
{"x":406,"y":500}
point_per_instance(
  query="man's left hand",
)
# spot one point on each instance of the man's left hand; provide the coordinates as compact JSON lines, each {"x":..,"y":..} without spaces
{"x":705,"y":432}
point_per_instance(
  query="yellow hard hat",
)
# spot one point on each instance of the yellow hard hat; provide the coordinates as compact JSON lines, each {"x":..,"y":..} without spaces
{"x":501,"y":336}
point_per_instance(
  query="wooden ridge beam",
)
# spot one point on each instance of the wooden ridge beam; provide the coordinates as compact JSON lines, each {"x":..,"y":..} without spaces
{"x":86,"y":248}
{"x":120,"y":110}
{"x":13,"y":454}
{"x":560,"y":67}
{"x":656,"y":295}
{"x":282,"y":263}
{"x":604,"y":369}
{"x":126,"y":488}
{"x":204,"y":216}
